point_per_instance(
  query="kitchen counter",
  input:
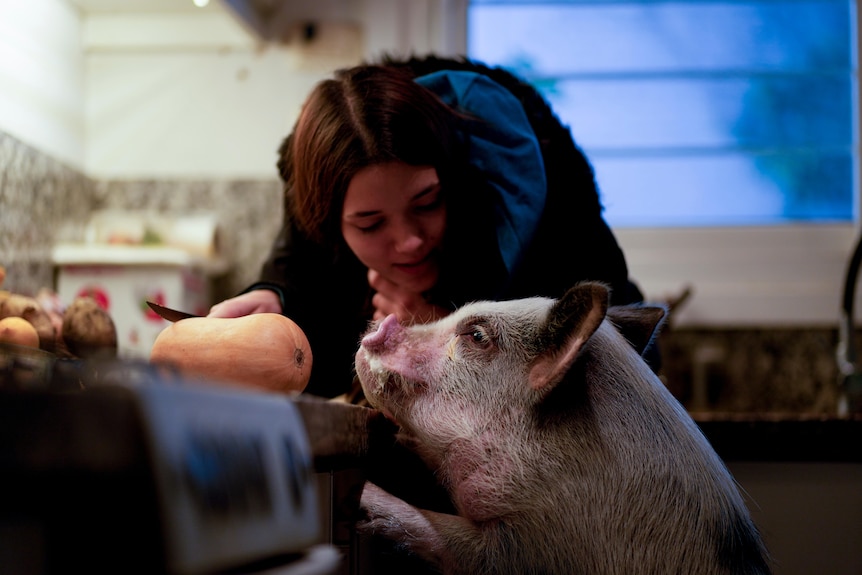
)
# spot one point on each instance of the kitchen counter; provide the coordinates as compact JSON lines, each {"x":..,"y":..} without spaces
{"x":783,"y":437}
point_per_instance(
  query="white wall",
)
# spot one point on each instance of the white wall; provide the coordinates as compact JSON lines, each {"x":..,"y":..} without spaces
{"x":215,"y":107}
{"x":42,"y":77}
{"x":179,"y":95}
{"x":184,"y":94}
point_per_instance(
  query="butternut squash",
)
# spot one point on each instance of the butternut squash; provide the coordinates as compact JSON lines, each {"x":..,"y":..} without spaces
{"x":264,"y":351}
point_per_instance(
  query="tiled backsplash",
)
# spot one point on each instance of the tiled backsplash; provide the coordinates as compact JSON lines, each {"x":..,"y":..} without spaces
{"x":43,"y":202}
{"x":248,"y":212}
{"x":752,"y":370}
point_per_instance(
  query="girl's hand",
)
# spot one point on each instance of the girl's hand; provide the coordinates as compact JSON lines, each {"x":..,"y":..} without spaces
{"x":255,"y":301}
{"x":409,"y":307}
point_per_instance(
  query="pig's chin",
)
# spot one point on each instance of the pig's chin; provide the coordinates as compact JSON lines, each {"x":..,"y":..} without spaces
{"x":374,"y":379}
{"x":377,"y":398}
{"x":385,"y":390}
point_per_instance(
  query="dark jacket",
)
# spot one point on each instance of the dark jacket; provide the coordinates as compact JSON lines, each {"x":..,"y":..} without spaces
{"x":325,"y":290}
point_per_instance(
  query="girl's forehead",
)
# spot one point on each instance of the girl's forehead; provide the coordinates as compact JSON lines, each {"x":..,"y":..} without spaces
{"x":380,"y":185}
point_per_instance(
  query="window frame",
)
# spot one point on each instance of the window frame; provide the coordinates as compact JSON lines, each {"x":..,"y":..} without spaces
{"x":741,"y":277}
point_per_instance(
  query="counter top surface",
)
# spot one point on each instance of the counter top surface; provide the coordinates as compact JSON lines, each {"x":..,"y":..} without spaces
{"x":788,"y":437}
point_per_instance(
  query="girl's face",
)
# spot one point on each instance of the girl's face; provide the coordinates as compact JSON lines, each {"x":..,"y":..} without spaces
{"x":393,"y":219}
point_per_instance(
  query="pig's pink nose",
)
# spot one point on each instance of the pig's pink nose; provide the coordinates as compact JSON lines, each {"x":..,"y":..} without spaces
{"x":376,"y":341}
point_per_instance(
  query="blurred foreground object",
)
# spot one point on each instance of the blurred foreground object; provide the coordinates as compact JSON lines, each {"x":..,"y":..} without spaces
{"x":120,"y":467}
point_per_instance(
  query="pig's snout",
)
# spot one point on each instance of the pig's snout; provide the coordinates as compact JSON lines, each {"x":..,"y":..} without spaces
{"x":378,"y":341}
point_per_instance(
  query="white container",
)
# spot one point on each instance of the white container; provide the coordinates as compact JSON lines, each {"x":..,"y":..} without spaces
{"x":123,"y":278}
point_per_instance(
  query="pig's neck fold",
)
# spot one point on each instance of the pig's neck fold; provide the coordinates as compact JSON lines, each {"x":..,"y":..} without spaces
{"x":480,"y":476}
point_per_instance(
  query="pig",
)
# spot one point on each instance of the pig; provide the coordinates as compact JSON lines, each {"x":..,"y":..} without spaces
{"x":561,"y":450}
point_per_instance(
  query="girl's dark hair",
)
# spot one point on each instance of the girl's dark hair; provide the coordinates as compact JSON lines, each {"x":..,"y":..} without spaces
{"x":362,"y":116}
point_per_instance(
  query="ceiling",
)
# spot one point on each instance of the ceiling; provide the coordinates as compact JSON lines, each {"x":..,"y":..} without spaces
{"x":270,"y":20}
{"x":125,"y":6}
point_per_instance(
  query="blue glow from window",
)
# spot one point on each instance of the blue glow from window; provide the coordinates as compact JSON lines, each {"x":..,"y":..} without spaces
{"x":695,"y":113}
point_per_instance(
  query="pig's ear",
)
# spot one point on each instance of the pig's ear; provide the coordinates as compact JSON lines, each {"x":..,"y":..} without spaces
{"x":639,"y":324}
{"x":572,"y":320}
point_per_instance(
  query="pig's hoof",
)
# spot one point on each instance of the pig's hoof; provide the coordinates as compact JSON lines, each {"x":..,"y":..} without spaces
{"x":376,"y":505}
{"x":378,"y":526}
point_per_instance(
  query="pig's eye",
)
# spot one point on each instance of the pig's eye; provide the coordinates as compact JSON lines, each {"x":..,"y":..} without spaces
{"x":477,"y":334}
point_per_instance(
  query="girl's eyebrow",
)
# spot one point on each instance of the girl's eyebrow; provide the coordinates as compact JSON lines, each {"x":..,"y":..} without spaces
{"x":432,"y":187}
{"x":370,"y":213}
{"x":359,"y":215}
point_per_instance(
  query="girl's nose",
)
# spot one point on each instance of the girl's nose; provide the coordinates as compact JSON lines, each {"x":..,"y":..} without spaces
{"x":408,"y":238}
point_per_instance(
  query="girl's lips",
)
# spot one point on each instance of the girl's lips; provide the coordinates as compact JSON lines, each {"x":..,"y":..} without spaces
{"x":414,"y":267}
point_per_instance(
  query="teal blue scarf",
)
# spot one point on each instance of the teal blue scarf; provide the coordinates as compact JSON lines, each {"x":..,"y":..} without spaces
{"x":504,"y":148}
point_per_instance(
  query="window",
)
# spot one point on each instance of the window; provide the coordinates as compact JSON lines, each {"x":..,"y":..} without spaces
{"x":723,"y":135}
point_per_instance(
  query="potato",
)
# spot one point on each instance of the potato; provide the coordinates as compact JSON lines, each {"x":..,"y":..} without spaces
{"x":18,"y":331}
{"x":17,"y":305}
{"x":53,"y":306}
{"x":88,"y":330}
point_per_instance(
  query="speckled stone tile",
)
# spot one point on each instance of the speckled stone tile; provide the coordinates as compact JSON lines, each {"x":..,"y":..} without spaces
{"x":752,"y":370}
{"x":42,"y":201}
{"x":248,"y":212}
